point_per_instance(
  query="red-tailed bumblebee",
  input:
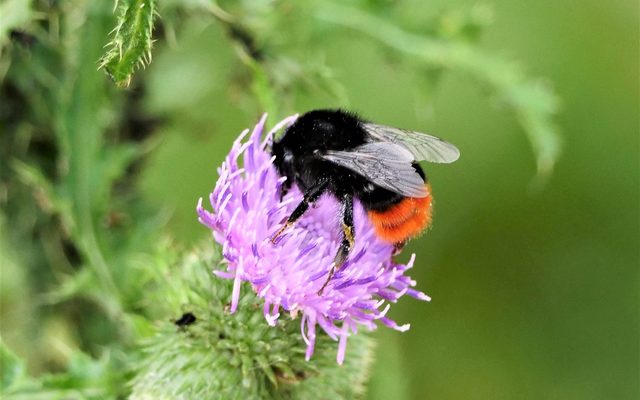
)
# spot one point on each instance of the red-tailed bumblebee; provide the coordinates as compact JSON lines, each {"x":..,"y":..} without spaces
{"x":337,"y":152}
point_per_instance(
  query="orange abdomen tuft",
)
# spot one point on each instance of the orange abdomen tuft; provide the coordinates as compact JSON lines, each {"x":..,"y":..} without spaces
{"x":404,"y":220}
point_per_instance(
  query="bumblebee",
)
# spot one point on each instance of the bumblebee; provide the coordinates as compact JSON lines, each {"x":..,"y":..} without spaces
{"x":336,"y":152}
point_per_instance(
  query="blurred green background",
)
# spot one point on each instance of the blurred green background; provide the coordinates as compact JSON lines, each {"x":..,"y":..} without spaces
{"x":534,"y":279}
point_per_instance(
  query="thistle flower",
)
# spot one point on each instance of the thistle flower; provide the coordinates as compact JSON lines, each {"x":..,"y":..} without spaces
{"x":247,"y":211}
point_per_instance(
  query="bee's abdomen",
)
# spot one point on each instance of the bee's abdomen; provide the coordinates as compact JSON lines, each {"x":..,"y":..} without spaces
{"x":403,"y":220}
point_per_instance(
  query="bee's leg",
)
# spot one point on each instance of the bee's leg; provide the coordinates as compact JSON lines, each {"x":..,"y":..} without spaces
{"x":397,"y":247}
{"x":284,"y":189}
{"x":310,"y":196}
{"x":348,"y":238}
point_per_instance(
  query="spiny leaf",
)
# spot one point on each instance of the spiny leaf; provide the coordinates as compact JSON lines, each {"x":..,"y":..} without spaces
{"x":130,"y":47}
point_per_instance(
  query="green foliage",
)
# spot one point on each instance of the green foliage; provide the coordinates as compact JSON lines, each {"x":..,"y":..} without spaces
{"x":66,"y":167}
{"x":130,"y":47}
{"x":85,"y":378}
{"x":531,"y":101}
{"x":73,"y":113}
{"x":13,"y":14}
{"x":12,"y":369}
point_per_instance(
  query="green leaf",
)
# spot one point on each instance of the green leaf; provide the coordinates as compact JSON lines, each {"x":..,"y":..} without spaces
{"x":13,"y":14}
{"x":130,"y":47}
{"x":45,"y":193}
{"x":12,"y":369}
{"x":85,"y":378}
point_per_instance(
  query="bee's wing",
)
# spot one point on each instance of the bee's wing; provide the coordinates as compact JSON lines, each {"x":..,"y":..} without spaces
{"x":421,"y":145}
{"x":387,"y":165}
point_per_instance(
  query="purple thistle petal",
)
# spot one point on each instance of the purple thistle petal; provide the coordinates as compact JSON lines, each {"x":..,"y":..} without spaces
{"x":307,"y":249}
{"x":259,"y":281}
{"x":418,"y":295}
{"x":247,"y":211}
{"x":342,"y":347}
{"x":365,"y":306}
{"x":384,"y":312}
{"x":255,"y":136}
{"x":318,"y":275}
{"x":263,"y":177}
{"x":204,"y":216}
{"x":358,"y":256}
{"x":235,"y":294}
{"x":344,"y":284}
{"x":303,"y":321}
{"x":365,"y":280}
{"x":329,"y":327}
{"x":392,"y":324}
{"x":222,"y":274}
{"x":311,"y":337}
{"x":388,"y":295}
{"x":254,"y":250}
{"x":363,"y":316}
{"x":271,"y":316}
{"x":245,"y":202}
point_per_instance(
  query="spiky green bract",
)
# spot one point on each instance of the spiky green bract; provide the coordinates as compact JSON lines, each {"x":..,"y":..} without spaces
{"x":130,"y":47}
{"x":236,"y":356}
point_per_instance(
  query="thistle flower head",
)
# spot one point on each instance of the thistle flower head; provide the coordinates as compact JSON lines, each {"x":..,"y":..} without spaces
{"x":247,"y":212}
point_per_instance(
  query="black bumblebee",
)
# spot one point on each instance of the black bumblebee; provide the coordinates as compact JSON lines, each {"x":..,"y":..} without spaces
{"x":335,"y":151}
